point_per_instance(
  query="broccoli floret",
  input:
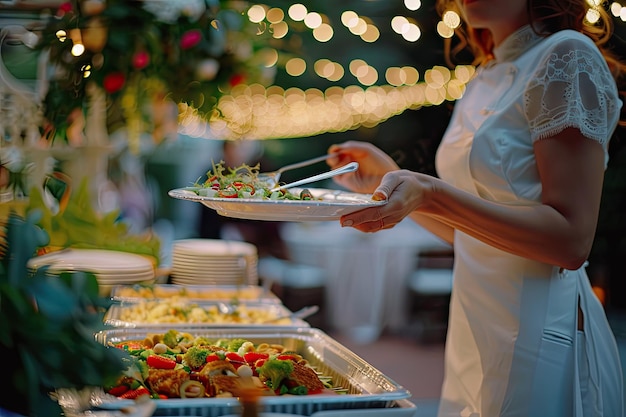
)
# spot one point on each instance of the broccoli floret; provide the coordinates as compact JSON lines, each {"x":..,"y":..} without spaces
{"x":170,"y":338}
{"x":195,"y":356}
{"x":274,"y":371}
{"x":202,"y":340}
{"x":235,"y":344}
{"x":223,"y":343}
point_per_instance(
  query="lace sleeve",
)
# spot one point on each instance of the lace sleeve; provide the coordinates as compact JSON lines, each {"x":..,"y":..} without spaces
{"x":572,"y":87}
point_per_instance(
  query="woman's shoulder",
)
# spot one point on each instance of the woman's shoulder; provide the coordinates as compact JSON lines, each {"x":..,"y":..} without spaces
{"x":569,"y":40}
{"x":566,"y":45}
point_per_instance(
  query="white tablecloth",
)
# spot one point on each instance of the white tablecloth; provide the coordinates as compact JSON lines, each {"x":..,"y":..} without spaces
{"x":367,"y":273}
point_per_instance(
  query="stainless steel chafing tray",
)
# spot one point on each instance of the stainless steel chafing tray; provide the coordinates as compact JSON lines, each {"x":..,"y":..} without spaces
{"x":367,"y":387}
{"x":194,"y":293}
{"x":247,"y":314}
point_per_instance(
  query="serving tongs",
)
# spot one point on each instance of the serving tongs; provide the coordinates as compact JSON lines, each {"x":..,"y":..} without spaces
{"x":351,"y":167}
{"x":301,"y":314}
{"x":271,"y":178}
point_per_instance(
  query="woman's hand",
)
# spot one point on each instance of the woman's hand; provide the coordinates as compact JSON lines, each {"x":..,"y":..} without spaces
{"x":373,"y":164}
{"x":405,"y":191}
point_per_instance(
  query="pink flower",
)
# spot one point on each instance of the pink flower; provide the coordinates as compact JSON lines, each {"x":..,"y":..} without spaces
{"x":190,"y":39}
{"x":141,"y":59}
{"x":113,"y":82}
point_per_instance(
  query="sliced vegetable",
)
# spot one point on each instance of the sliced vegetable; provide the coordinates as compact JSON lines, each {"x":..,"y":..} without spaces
{"x":242,"y":182}
{"x":118,"y":390}
{"x":192,"y":389}
{"x":235,"y":357}
{"x":230,"y":192}
{"x":290,"y":357}
{"x":252,"y":357}
{"x":136,"y":393}
{"x":160,"y":362}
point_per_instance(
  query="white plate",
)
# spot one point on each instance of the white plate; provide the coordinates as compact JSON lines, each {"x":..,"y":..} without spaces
{"x":107,"y":279}
{"x":237,"y":263}
{"x":94,"y":260}
{"x":189,"y":279}
{"x":213,"y":247}
{"x":333,"y":205}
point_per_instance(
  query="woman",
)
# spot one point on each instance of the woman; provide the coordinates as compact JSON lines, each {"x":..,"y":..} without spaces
{"x":521,"y":167}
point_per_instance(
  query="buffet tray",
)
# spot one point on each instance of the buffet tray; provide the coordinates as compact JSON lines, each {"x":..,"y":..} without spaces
{"x":366,"y":386}
{"x":117,"y":315}
{"x":400,"y":408}
{"x":196,"y":293}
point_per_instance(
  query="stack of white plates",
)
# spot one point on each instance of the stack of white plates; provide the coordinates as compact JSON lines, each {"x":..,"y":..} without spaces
{"x":214,"y":262}
{"x":110,"y":267}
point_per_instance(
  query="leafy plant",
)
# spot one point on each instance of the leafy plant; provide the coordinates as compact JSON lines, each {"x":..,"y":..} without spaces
{"x":137,"y":52}
{"x":79,"y":225}
{"x":47,"y":326}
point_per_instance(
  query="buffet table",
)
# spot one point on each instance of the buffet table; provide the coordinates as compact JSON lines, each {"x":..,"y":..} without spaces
{"x":367,"y":274}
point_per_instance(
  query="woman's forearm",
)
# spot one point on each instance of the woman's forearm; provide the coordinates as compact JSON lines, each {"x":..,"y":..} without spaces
{"x":436,"y":227}
{"x":537,"y":232}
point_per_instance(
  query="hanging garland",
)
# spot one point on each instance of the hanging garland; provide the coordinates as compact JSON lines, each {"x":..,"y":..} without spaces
{"x":139,"y":52}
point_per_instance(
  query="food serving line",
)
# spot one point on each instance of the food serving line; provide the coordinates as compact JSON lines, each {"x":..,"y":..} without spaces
{"x":367,"y":390}
{"x":217,"y":297}
{"x":214,"y":294}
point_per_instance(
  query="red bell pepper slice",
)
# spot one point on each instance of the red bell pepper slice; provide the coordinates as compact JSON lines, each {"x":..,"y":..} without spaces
{"x":135,"y":393}
{"x":118,"y":390}
{"x":252,"y":357}
{"x":234,"y":357}
{"x":239,"y":185}
{"x":160,"y":362}
{"x":287,"y":357}
{"x":229,"y":192}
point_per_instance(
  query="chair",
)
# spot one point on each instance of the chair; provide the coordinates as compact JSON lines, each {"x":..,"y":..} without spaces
{"x":430,"y":286}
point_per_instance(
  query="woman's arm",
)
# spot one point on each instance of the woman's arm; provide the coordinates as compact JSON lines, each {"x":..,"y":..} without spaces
{"x":436,"y":227}
{"x":559,"y":231}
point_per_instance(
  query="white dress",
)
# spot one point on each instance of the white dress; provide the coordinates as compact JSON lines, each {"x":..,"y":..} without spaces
{"x":513,"y":348}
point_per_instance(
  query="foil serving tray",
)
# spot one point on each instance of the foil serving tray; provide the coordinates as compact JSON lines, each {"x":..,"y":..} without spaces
{"x":117,"y":315}
{"x":366,"y":386}
{"x":194,"y":293}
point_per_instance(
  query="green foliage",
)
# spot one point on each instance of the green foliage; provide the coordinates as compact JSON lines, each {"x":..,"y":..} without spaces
{"x":47,"y":326}
{"x":78,"y":225}
{"x":192,"y":59}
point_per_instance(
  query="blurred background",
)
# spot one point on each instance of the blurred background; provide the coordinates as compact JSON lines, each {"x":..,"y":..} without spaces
{"x":279,"y":83}
{"x":137,"y":98}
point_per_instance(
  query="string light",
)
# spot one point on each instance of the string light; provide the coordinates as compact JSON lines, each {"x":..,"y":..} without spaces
{"x":255,"y":112}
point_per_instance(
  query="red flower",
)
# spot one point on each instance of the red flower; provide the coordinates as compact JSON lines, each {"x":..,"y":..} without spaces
{"x":113,"y":82}
{"x":141,"y":60}
{"x":64,"y":8}
{"x":190,"y":39}
{"x":236,"y":79}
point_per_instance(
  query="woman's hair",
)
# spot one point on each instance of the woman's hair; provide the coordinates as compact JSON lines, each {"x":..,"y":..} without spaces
{"x":546,"y":17}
